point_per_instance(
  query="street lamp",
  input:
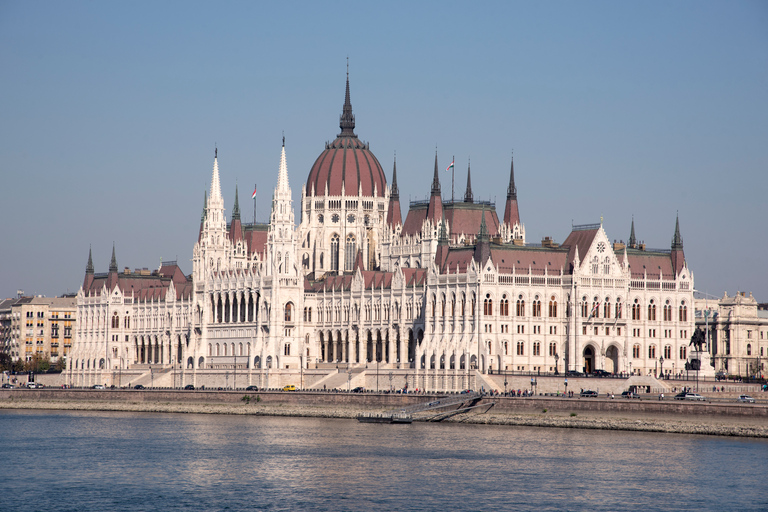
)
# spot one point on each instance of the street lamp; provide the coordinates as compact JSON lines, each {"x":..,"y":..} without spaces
{"x":557,"y":358}
{"x":390,"y":380}
{"x":661,"y":367}
{"x":152,"y":378}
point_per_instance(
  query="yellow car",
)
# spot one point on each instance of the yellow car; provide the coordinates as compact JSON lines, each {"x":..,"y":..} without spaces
{"x":289,"y":387}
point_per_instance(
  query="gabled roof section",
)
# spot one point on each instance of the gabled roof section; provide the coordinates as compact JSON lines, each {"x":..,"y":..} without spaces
{"x":580,"y":238}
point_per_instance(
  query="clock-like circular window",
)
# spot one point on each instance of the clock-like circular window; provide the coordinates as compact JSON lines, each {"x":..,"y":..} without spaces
{"x":335,"y":218}
{"x":601,"y":247}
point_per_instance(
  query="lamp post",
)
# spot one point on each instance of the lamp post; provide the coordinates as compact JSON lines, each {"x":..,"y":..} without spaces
{"x":661,"y":367}
{"x":349,"y":380}
{"x":151,"y":378}
{"x":390,"y":380}
{"x":557,"y":358}
{"x":630,"y":368}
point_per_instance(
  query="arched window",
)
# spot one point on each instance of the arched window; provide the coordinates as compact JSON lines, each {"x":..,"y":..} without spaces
{"x":349,"y":253}
{"x":520,"y":348}
{"x":618,"y":308}
{"x":749,"y":349}
{"x":520,"y":309}
{"x":115,"y":320}
{"x":683,"y":312}
{"x":651,"y":311}
{"x":536,"y":307}
{"x":652,"y":352}
{"x":636,"y":310}
{"x":289,"y":312}
{"x":683,"y":352}
{"x":488,"y":305}
{"x":636,"y":351}
{"x":667,"y":352}
{"x":606,"y":308}
{"x":287,"y":349}
{"x":552,"y":307}
{"x":504,"y":306}
{"x":335,"y":252}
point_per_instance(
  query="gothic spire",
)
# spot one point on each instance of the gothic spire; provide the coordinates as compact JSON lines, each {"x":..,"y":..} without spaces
{"x":436,"y":180}
{"x":443,"y":235}
{"x":632,"y":239}
{"x":282,"y":176}
{"x":89,"y":266}
{"x":205,"y":206}
{"x":113,"y":262}
{"x":347,"y":119}
{"x":511,"y":188}
{"x":236,"y":208}
{"x":468,"y":193}
{"x":483,"y":235}
{"x":394,"y":192}
{"x":215,"y":181}
{"x":677,"y":241}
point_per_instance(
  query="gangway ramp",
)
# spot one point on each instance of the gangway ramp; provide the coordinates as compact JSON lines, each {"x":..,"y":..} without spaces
{"x":443,"y":406}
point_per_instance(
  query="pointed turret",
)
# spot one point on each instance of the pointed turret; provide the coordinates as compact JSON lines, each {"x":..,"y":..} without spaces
{"x":282,"y":176}
{"x":236,"y":208}
{"x":677,"y":255}
{"x":632,"y":243}
{"x":442,"y":246}
{"x":394,"y":216}
{"x":468,"y":193}
{"x":113,"y":261}
{"x":482,"y":245}
{"x":215,"y":181}
{"x":89,"y":266}
{"x":205,"y":206}
{"x":435,"y":210}
{"x":347,"y":118}
{"x":511,"y":212}
{"x":436,"y":180}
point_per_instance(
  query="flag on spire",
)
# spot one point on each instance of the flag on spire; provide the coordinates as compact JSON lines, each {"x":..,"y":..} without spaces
{"x":449,"y":167}
{"x":253,"y":196}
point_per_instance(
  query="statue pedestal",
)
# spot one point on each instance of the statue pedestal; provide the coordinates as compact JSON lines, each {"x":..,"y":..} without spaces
{"x":706,"y":370}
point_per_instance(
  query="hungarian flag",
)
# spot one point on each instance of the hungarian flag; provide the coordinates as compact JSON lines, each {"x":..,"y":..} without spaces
{"x":253,"y":196}
{"x":449,"y":167}
{"x":594,"y":310}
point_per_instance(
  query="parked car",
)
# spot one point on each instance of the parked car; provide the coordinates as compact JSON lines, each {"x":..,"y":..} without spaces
{"x":601,"y":373}
{"x":359,"y":389}
{"x":746,"y":399}
{"x":588,"y":393}
{"x":8,"y":386}
{"x":289,"y":387}
{"x":138,"y":386}
{"x":32,"y":385}
{"x":630,"y":394}
{"x":690,"y":396}
{"x":252,"y":388}
{"x":189,"y":387}
{"x":98,"y":386}
{"x":573,"y":373}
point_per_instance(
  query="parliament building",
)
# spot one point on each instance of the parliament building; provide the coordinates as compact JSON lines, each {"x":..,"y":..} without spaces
{"x":433,"y":301}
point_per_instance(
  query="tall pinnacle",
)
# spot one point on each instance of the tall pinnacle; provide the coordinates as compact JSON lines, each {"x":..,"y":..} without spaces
{"x":89,"y":266}
{"x":677,"y":241}
{"x":394,"y":192}
{"x":632,"y":239}
{"x":468,"y":193}
{"x":205,"y":206}
{"x":511,"y":188}
{"x":215,"y":181}
{"x":282,"y":176}
{"x":347,"y":119}
{"x":236,"y":208}
{"x":113,"y":263}
{"x":436,"y":180}
{"x":483,"y":235}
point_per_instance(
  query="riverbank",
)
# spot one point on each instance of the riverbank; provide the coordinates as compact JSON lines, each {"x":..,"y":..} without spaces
{"x":736,"y":426}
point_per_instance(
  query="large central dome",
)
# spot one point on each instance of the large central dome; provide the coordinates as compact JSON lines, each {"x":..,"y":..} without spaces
{"x":347,"y":166}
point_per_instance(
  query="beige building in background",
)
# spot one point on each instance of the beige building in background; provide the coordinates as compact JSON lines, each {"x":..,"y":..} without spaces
{"x":738,"y":333}
{"x":40,"y":325}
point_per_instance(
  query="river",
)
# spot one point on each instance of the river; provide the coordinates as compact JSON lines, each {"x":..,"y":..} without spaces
{"x":96,"y":461}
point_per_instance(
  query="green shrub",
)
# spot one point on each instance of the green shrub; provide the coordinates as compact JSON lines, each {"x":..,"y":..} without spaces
{"x":573,"y":414}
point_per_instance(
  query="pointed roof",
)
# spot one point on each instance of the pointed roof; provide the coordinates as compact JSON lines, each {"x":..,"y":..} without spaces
{"x":347,"y":118}
{"x":89,"y":266}
{"x":632,"y":240}
{"x":205,"y":206}
{"x":394,"y":216}
{"x":282,"y":176}
{"x":511,"y":211}
{"x":436,"y":180}
{"x":483,"y":235}
{"x":468,"y":193}
{"x":677,"y":240}
{"x":236,"y":208}
{"x":113,"y":262}
{"x":511,"y":188}
{"x":215,"y":182}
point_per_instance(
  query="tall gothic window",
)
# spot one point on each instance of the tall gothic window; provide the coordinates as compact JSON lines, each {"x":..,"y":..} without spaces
{"x":488,"y":305}
{"x":552,"y":307}
{"x":335,"y":252}
{"x":349,"y":253}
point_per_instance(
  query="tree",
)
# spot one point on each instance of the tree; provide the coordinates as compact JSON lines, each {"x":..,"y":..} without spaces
{"x":6,"y":363}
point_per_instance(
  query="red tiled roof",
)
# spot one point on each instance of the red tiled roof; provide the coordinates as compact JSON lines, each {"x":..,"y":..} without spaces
{"x":346,"y":161}
{"x":142,"y":288}
{"x":581,"y":238}
{"x":415,"y":219}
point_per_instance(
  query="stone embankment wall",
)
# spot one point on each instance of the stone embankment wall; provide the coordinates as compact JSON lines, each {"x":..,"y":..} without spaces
{"x":379,"y":402}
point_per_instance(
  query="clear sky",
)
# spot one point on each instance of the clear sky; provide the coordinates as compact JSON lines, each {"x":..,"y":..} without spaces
{"x":110,"y":112}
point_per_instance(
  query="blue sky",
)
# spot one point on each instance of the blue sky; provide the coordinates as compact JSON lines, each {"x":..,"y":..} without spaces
{"x":111,"y":110}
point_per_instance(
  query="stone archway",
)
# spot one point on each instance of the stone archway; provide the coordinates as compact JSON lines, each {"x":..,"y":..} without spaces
{"x":612,"y":359}
{"x":589,"y":359}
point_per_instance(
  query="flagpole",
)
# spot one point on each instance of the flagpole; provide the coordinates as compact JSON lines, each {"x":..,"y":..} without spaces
{"x":254,"y":204}
{"x":453,"y":170}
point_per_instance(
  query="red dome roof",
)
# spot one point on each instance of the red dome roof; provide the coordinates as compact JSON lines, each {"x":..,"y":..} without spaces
{"x":346,"y":163}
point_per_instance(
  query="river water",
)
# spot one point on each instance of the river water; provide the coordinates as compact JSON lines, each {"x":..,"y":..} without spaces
{"x":98,"y":461}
